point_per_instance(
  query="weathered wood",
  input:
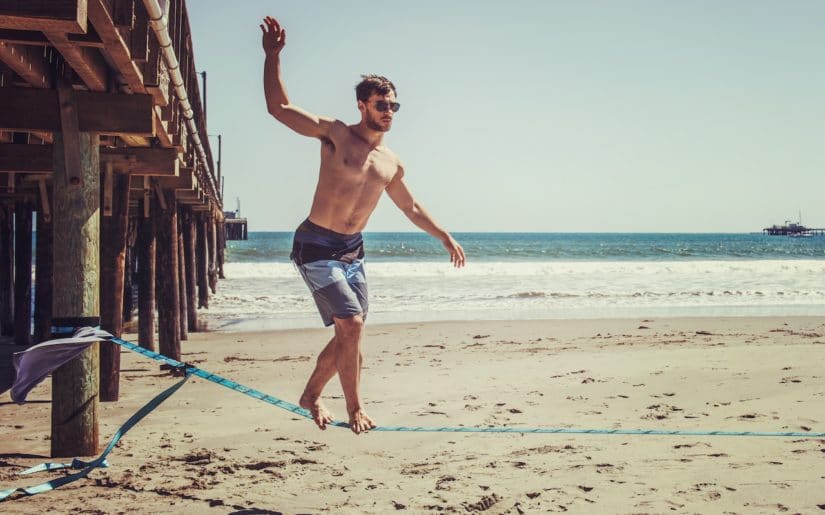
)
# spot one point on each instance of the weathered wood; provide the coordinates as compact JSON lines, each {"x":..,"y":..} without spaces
{"x":116,"y":46}
{"x":22,"y":272}
{"x":146,"y":277}
{"x":143,"y":161}
{"x":76,"y":302}
{"x":131,"y":267}
{"x":189,"y":237}
{"x":183,"y":318}
{"x":32,"y":109}
{"x":221,"y":249}
{"x":27,"y":62}
{"x":202,"y":258}
{"x":167,"y":290}
{"x":37,"y":38}
{"x":6,"y":270}
{"x":86,"y":62}
{"x":54,"y":15}
{"x":23,"y":158}
{"x":43,"y":279}
{"x":69,"y":126}
{"x":139,"y":42}
{"x":213,"y":253}
{"x":123,"y":13}
{"x":113,"y":230}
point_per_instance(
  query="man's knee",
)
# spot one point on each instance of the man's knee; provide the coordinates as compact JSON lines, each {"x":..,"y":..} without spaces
{"x":349,"y":328}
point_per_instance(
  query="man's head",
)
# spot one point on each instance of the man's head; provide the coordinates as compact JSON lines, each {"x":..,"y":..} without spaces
{"x":376,"y":101}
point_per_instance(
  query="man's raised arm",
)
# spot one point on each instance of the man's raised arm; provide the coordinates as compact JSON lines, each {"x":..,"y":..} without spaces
{"x":277,"y":103}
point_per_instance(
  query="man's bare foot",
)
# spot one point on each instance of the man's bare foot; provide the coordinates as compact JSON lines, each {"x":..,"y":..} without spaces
{"x":359,"y":421}
{"x":320,"y":414}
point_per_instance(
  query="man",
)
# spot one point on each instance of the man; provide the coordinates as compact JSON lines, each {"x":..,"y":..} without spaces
{"x":328,"y":248}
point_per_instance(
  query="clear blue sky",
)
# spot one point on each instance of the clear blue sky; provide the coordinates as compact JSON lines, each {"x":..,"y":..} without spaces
{"x":628,"y":116}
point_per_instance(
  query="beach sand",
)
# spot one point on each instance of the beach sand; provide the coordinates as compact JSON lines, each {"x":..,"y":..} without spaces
{"x":212,"y":450}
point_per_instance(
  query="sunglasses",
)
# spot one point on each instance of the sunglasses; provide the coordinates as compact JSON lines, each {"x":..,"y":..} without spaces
{"x":383,"y":106}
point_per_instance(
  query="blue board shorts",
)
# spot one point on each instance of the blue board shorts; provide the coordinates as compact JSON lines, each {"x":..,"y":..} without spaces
{"x":332,"y":265}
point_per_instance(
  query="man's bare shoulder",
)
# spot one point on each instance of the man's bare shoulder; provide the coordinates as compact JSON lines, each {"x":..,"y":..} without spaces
{"x":391,"y":154}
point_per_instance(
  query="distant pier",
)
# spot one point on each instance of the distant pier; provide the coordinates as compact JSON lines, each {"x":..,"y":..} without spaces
{"x":793,"y":230}
{"x":236,"y":228}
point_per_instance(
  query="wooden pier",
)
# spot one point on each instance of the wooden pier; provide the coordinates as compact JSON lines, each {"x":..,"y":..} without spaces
{"x":103,"y":135}
{"x":235,"y":226}
{"x":793,"y":230}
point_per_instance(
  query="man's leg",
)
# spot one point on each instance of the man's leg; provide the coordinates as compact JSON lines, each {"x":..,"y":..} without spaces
{"x":348,"y":360}
{"x":325,"y":368}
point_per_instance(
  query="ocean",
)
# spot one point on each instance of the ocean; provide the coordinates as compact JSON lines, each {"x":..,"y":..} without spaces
{"x":512,"y":276}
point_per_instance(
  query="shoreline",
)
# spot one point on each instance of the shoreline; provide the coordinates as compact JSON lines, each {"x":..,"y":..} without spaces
{"x":259,"y":324}
{"x":210,"y":446}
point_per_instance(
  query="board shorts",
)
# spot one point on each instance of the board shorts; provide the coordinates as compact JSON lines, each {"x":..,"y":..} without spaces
{"x":332,"y":265}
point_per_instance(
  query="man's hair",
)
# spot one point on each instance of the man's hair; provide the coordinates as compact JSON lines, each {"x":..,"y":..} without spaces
{"x":371,"y":84}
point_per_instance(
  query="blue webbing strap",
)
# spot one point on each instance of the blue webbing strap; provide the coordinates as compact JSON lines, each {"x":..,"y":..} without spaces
{"x":100,"y":461}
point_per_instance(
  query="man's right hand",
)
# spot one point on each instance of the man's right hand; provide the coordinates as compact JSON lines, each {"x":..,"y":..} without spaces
{"x":274,"y":37}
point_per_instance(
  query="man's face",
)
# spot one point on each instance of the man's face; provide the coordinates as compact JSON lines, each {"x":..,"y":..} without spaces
{"x":373,"y":116}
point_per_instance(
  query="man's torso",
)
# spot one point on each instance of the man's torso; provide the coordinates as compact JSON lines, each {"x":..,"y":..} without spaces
{"x":351,"y":180}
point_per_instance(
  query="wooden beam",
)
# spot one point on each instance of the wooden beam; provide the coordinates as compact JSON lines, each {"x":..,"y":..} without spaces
{"x":139,"y":161}
{"x":86,"y":62}
{"x":183,"y":182}
{"x":37,"y":38}
{"x":54,"y":15}
{"x":30,"y":63}
{"x":16,"y":157}
{"x":143,"y":161}
{"x":30,"y":109}
{"x":116,"y":46}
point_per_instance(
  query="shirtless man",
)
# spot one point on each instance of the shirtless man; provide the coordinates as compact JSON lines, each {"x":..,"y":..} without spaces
{"x":356,"y":168}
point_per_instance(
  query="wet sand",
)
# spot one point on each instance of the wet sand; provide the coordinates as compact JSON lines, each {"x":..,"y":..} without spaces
{"x":210,"y":449}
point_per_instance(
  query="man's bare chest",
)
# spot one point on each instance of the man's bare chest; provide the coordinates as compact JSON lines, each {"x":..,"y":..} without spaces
{"x":362,"y":165}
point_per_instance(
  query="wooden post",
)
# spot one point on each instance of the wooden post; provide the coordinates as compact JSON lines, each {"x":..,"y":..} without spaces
{"x":23,"y":272}
{"x":146,"y":277}
{"x":221,"y":248}
{"x":76,"y":302}
{"x":43,"y":279}
{"x":183,"y":317}
{"x":189,"y":236}
{"x":6,"y":270}
{"x":129,"y":271}
{"x":113,"y":228}
{"x":202,"y":258}
{"x":166,"y":222}
{"x":213,"y":254}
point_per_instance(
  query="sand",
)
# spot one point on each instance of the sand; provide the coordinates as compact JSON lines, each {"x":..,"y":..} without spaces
{"x":210,"y":449}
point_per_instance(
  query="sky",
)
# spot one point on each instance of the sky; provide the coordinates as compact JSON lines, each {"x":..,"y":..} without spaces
{"x":537,"y":116}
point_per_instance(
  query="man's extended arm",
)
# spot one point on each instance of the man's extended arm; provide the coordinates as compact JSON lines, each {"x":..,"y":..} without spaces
{"x":402,"y":197}
{"x":277,"y":102}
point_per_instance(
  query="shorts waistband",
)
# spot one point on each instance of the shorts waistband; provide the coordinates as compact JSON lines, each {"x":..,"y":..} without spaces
{"x":306,"y":225}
